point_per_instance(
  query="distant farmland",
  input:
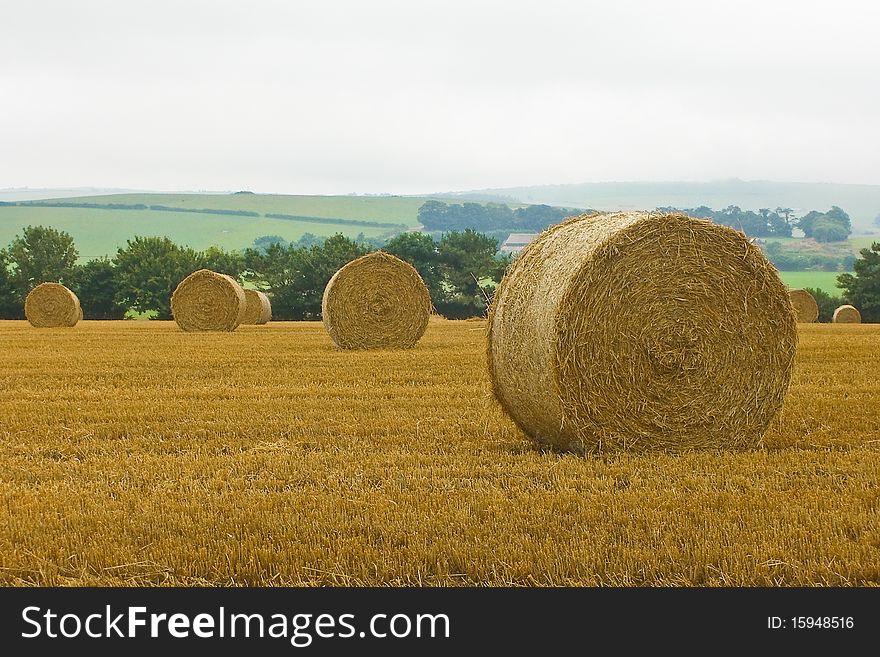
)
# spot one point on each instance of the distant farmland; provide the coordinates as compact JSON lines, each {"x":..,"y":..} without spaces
{"x":203,"y":220}
{"x":101,"y":231}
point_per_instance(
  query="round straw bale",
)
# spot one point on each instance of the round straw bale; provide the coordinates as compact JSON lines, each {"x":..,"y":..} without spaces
{"x":259,"y":308}
{"x":641,"y":331}
{"x":208,"y":301}
{"x":51,"y":305}
{"x":804,"y":305}
{"x":847,"y":314}
{"x":376,"y":302}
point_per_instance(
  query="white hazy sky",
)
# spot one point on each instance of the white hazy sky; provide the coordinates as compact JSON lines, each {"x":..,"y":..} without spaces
{"x":378,"y":96}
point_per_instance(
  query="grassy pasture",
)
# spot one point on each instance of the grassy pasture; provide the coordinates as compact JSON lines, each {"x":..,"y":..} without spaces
{"x":823,"y":280}
{"x":392,"y":209}
{"x":101,"y":232}
{"x":134,"y":454}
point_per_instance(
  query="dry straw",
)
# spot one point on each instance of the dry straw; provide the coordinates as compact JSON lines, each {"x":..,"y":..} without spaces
{"x":804,"y":305}
{"x":259,"y":308}
{"x":51,"y":305}
{"x":208,"y":301}
{"x":641,"y":331}
{"x":376,"y":302}
{"x":847,"y":314}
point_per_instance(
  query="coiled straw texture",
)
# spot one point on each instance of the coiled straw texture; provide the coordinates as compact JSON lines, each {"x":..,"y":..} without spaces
{"x":51,"y":305}
{"x":208,"y":301}
{"x":376,"y":302}
{"x":259,"y":308}
{"x":847,"y":314}
{"x":804,"y":305}
{"x":643,"y":332}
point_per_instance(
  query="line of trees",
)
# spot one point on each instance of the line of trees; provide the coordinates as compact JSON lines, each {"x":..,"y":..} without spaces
{"x":437,"y":216}
{"x":763,"y":223}
{"x":460,"y":270}
{"x":831,"y":226}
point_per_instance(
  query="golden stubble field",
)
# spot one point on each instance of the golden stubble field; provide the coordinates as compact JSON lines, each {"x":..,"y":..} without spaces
{"x":134,"y":454}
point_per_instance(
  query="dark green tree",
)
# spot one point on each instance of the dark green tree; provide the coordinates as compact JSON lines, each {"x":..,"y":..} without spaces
{"x":785,"y":213}
{"x":216,"y":259}
{"x":309,"y":239}
{"x":11,"y":304}
{"x":829,"y":231}
{"x":499,"y":267}
{"x":467,"y":263}
{"x":148,"y":270}
{"x":432,"y":215}
{"x":827,"y":303}
{"x":319,"y":264}
{"x":274,"y":270}
{"x":419,"y":250}
{"x":96,"y":285}
{"x":807,"y":222}
{"x":832,"y":226}
{"x":838,"y":216}
{"x":862,"y":289}
{"x":41,"y":254}
{"x":539,"y":217}
{"x":296,"y":277}
{"x":265,"y":241}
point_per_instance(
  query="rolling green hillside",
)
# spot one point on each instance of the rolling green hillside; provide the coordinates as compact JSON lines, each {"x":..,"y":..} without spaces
{"x":391,"y":209}
{"x":101,"y":231}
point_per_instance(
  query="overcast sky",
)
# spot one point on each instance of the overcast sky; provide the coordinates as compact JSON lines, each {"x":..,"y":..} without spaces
{"x":336,"y":96}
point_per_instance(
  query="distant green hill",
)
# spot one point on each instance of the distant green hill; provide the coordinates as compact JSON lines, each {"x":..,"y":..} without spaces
{"x":392,"y":209}
{"x":190,"y":219}
{"x":203,"y":220}
{"x":862,"y":202}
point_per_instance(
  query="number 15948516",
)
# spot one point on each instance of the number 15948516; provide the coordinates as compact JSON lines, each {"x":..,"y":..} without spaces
{"x":810,"y":622}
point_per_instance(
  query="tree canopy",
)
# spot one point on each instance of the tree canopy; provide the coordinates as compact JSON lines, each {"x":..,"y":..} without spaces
{"x":862,"y":288}
{"x":40,"y":255}
{"x":148,"y":270}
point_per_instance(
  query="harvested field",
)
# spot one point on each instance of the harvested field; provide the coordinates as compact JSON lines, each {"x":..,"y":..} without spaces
{"x":133,"y":453}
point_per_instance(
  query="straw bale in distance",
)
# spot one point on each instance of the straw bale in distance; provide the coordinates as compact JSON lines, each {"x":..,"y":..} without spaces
{"x":51,"y":305}
{"x":208,"y":301}
{"x":847,"y":314}
{"x":259,"y":308}
{"x":644,"y":332}
{"x":804,"y":305}
{"x":377,"y":301}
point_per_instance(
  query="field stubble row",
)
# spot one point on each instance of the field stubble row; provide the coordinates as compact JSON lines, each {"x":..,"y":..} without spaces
{"x":134,"y":454}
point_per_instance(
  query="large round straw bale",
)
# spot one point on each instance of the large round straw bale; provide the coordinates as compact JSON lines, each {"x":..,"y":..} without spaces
{"x":208,"y":301}
{"x":376,"y":302}
{"x":641,"y":331}
{"x":847,"y":314}
{"x":51,"y":305}
{"x":259,"y":308}
{"x":804,"y":305}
